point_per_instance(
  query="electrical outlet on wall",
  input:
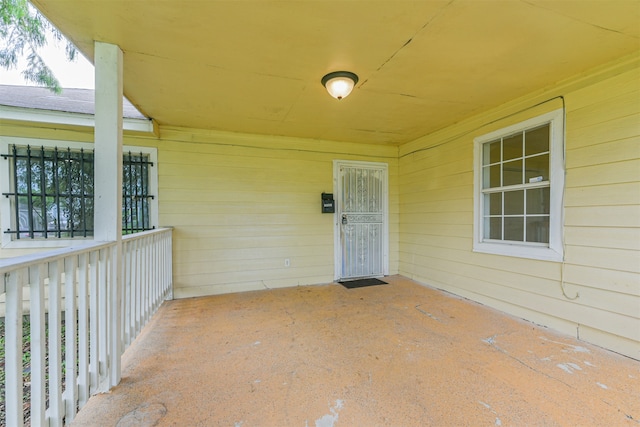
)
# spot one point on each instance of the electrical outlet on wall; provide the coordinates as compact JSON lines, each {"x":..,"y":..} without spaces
{"x":287,"y":262}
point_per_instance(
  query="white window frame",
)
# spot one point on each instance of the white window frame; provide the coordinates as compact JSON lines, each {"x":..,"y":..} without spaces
{"x":554,"y":250}
{"x":5,"y":204}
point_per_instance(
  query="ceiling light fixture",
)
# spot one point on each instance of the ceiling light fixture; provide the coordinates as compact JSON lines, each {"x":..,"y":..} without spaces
{"x":339,"y":84}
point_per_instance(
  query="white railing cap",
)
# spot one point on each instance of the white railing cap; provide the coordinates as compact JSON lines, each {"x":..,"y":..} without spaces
{"x":23,"y":261}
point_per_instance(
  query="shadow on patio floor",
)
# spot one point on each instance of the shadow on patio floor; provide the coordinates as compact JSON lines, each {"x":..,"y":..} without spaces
{"x":393,"y":355}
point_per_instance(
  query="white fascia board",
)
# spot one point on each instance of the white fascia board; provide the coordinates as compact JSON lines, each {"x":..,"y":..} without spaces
{"x":70,"y":119}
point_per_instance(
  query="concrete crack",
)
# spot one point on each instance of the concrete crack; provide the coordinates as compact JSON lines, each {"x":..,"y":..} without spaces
{"x":629,"y":417}
{"x":427,"y":313}
{"x":492,"y":342}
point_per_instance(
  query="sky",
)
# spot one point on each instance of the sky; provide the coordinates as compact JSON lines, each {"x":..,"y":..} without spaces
{"x":76,"y":74}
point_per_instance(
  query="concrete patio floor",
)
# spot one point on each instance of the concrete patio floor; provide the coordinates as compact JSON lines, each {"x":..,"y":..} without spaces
{"x":391,"y":355}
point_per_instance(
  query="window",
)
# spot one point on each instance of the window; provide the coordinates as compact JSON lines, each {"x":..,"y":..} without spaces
{"x":519,"y":183}
{"x":49,"y":193}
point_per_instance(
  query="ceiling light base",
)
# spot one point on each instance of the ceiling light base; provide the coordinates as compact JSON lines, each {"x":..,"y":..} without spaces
{"x":339,"y":84}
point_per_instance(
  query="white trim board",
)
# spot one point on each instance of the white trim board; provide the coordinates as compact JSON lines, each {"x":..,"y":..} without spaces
{"x":33,"y":115}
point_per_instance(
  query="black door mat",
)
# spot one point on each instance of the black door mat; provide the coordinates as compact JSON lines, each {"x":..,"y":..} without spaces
{"x":361,"y":283}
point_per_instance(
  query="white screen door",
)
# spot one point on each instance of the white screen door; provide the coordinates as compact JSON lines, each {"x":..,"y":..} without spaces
{"x":361,"y":219}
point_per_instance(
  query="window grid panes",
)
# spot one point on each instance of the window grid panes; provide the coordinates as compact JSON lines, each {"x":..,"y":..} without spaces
{"x":516,"y":187}
{"x":52,"y":192}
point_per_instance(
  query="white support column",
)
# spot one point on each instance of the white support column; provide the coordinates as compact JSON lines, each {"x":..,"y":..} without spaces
{"x":108,"y":185}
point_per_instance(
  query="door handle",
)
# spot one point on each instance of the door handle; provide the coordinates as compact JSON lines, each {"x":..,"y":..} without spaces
{"x":344,"y":219}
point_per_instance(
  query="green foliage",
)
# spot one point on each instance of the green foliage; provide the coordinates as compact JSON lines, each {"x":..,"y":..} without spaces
{"x":23,"y":31}
{"x":26,"y":368}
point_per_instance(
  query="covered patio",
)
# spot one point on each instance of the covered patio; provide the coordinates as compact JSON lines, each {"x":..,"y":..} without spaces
{"x":399,"y":354}
{"x":488,"y":150}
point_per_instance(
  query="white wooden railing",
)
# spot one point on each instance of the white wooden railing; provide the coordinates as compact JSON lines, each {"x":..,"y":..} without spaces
{"x":73,"y":296}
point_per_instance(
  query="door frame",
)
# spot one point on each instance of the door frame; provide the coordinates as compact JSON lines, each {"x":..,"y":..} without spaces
{"x":337,"y":191}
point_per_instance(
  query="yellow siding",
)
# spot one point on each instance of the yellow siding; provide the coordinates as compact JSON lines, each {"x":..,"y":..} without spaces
{"x":602,"y":214}
{"x":242,"y":204}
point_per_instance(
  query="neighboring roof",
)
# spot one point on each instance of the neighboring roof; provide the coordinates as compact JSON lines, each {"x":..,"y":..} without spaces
{"x":69,"y":101}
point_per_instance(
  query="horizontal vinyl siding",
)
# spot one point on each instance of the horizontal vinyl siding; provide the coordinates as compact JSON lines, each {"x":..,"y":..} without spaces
{"x":601,"y":208}
{"x":241,"y":204}
{"x":602,"y":222}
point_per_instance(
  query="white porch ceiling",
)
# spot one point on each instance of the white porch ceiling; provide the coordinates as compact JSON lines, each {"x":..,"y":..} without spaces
{"x":255,"y":66}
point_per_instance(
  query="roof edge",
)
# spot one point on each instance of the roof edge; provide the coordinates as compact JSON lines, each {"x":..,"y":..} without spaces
{"x":145,"y":126}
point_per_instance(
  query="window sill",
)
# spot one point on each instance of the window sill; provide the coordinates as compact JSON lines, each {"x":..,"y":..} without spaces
{"x":42,"y":243}
{"x":519,"y":251}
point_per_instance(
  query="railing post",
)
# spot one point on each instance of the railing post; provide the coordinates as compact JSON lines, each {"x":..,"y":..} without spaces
{"x":38,"y":345}
{"x":70,"y":318}
{"x":144,"y":283}
{"x":126,"y":297}
{"x":13,"y":350}
{"x":94,"y":322}
{"x":157,"y":286}
{"x":103,"y":321}
{"x":169,"y":266}
{"x":56,"y":407}
{"x":84,"y":380}
{"x":137,"y":254}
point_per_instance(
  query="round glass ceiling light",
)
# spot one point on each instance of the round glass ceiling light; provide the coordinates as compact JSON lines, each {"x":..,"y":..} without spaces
{"x":339,"y":84}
